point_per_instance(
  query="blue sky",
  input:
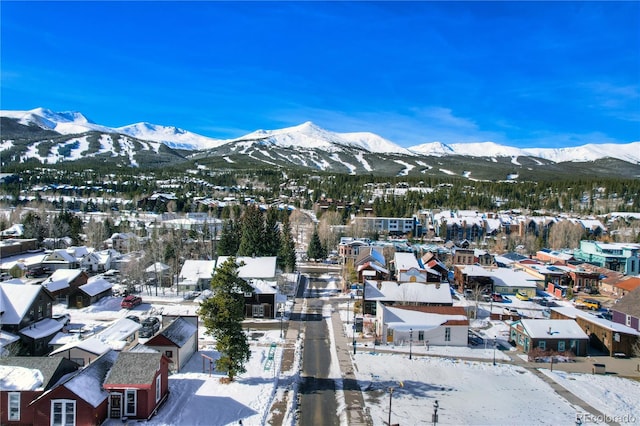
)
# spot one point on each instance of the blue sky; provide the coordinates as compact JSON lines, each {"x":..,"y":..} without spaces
{"x":528,"y":74}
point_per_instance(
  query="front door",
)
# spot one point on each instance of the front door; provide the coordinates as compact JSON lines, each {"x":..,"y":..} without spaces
{"x":115,"y":405}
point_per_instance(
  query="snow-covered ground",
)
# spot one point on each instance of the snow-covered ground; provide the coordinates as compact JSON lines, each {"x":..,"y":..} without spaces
{"x":467,"y":392}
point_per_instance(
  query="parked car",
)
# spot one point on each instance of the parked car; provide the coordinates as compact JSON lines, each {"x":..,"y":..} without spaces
{"x":131,"y":301}
{"x":589,"y":303}
{"x":152,"y":322}
{"x":134,"y":318}
{"x":496,"y":297}
{"x":522,"y":296}
{"x":146,"y":332}
{"x":510,"y":311}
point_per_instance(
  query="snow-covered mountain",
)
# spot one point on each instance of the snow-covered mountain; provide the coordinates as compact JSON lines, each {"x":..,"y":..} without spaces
{"x":170,"y":136}
{"x":66,"y":123}
{"x":308,"y":137}
{"x":591,"y":152}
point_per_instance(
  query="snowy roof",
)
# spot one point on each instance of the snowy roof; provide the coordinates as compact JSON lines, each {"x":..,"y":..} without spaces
{"x":179,"y":331}
{"x":404,"y":319}
{"x":95,"y":286}
{"x":16,"y":230}
{"x":15,"y":378}
{"x":373,"y":265}
{"x":405,"y":261}
{"x":6,"y":339}
{"x":78,"y":252}
{"x":62,"y":254}
{"x":43,"y":328}
{"x":511,"y":278}
{"x":264,"y":287}
{"x":571,"y":312}
{"x":87,"y":383}
{"x":118,"y":332}
{"x":92,"y":345}
{"x":551,"y":329}
{"x":195,"y":270}
{"x":158,"y":267}
{"x":29,"y":373}
{"x":15,"y":300}
{"x":391,"y":291}
{"x":254,"y":267}
{"x":61,"y":279}
{"x":474,"y":271}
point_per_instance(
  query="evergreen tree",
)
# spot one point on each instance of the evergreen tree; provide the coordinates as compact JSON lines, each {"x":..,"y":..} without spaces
{"x":229,"y":239}
{"x":34,"y":226}
{"x":223,"y":314}
{"x":252,"y":240}
{"x":287,"y":252}
{"x":315,"y":250}
{"x":271,"y":233}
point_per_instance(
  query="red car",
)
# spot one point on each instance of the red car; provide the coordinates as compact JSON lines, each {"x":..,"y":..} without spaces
{"x":497,"y":297}
{"x":131,"y":301}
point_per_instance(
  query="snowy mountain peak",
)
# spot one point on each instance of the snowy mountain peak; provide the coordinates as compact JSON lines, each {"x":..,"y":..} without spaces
{"x":309,"y":135}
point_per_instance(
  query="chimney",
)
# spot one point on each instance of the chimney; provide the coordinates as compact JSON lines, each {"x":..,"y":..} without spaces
{"x":549,"y":332}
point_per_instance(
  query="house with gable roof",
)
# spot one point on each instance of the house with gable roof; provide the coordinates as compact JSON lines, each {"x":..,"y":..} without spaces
{"x":63,"y":282}
{"x":557,"y":335}
{"x":23,"y":380}
{"x":99,"y":261}
{"x":25,"y":312}
{"x":77,"y":399}
{"x":405,"y":268}
{"x":196,"y":275}
{"x":371,"y":264}
{"x":422,"y":325}
{"x":85,"y":295}
{"x":137,"y":384}
{"x":261,"y":274}
{"x":392,"y":293}
{"x":60,"y":259}
{"x":178,"y":341}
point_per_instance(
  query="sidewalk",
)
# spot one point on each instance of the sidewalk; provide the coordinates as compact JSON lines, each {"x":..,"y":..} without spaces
{"x":559,"y":389}
{"x":288,"y":364}
{"x":356,"y":412}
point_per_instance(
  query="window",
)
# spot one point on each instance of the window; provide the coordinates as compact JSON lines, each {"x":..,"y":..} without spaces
{"x":168,"y":354}
{"x":14,"y":405}
{"x":542,"y":344}
{"x":447,"y":334}
{"x":561,"y":345}
{"x":158,"y":387}
{"x":63,"y":412}
{"x":420,"y":336}
{"x":130,"y":402}
{"x":628,"y":320}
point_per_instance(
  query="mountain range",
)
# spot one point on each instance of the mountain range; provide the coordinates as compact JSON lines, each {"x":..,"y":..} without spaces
{"x":53,"y":137}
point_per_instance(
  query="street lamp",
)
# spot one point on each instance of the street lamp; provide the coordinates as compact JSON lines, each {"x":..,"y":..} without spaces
{"x":435,"y":413}
{"x":390,"y":399}
{"x":354,"y":309}
{"x":281,"y":318}
{"x":354,"y":337}
{"x":494,"y":350}
{"x":410,"y":341}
